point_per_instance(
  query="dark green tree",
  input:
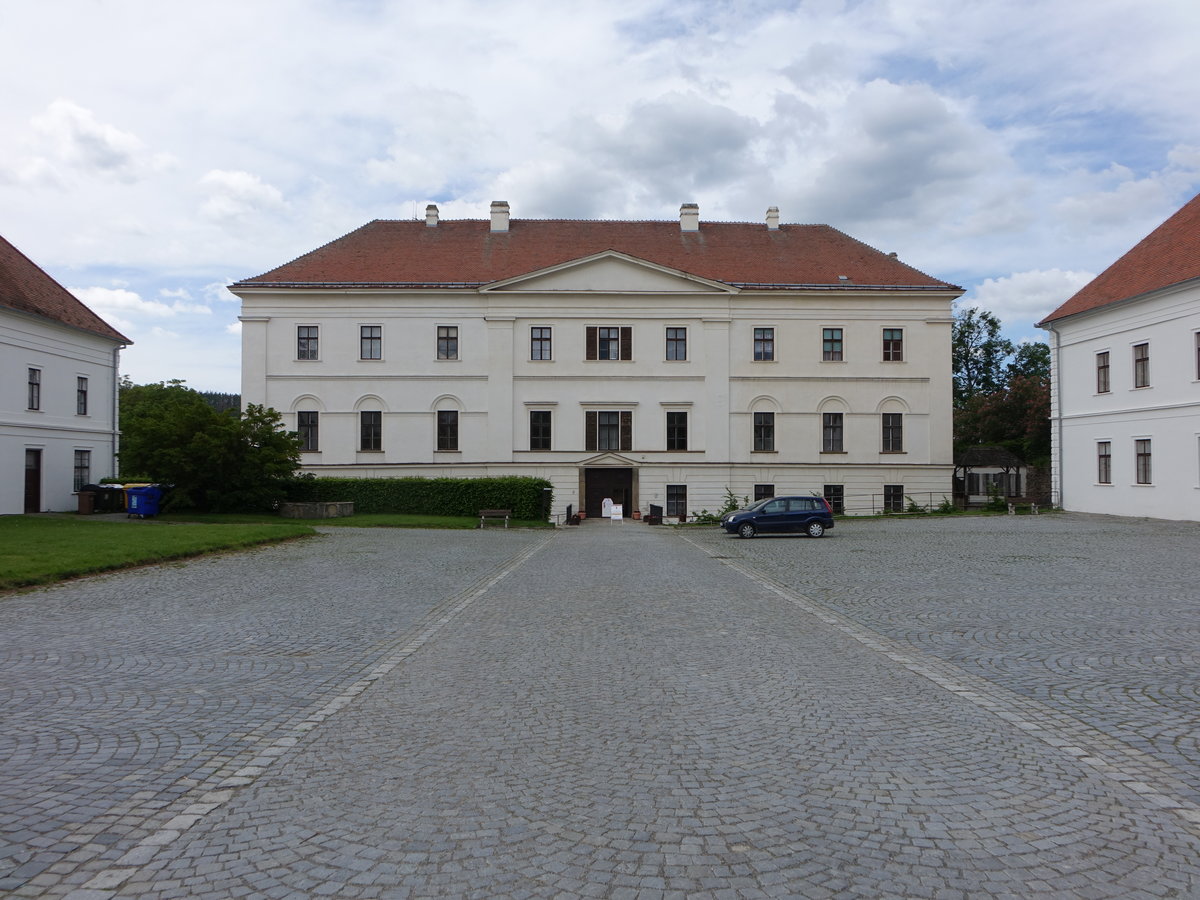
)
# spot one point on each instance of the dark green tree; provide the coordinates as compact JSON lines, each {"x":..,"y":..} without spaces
{"x":978,"y":353}
{"x":1032,"y":359}
{"x":216,"y":461}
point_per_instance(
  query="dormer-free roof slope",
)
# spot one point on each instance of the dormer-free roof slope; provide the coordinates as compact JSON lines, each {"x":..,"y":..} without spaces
{"x":26,"y":288}
{"x":1169,"y":255}
{"x":468,"y":253}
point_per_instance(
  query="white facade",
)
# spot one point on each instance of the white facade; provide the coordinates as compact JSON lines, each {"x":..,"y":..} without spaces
{"x":494,"y":382}
{"x":1156,"y":424}
{"x":72,"y":431}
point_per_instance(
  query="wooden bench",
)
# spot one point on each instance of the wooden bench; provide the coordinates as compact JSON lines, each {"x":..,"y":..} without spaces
{"x":485,"y":514}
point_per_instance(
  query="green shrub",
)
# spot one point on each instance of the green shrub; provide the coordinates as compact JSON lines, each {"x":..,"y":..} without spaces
{"x":526,"y":497}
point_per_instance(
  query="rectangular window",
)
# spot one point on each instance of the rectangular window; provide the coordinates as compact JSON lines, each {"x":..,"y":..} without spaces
{"x":81,"y":392}
{"x":764,"y":431}
{"x":835,"y":496}
{"x":764,"y":344}
{"x":83,"y":468}
{"x":893,"y":432}
{"x":370,"y":342}
{"x":1104,"y":462}
{"x":677,"y":500}
{"x":831,"y":432}
{"x":677,"y":437}
{"x":608,"y":430}
{"x":539,"y":343}
{"x":676,"y":343}
{"x":447,"y":429}
{"x":539,"y":429}
{"x":1142,"y":450}
{"x":609,"y":342}
{"x":1141,"y":365}
{"x":893,"y":345}
{"x":893,"y":497}
{"x":306,"y":427}
{"x":35,"y":389}
{"x":1102,"y":382}
{"x":447,"y":342}
{"x":763,"y":492}
{"x":371,"y":430}
{"x":1198,"y":355}
{"x":831,"y":345}
{"x":306,"y":342}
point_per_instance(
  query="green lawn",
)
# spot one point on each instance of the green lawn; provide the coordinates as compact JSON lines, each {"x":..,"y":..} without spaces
{"x":38,"y":550}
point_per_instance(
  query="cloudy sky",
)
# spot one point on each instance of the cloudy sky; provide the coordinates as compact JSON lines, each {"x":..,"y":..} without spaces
{"x":151,"y":152}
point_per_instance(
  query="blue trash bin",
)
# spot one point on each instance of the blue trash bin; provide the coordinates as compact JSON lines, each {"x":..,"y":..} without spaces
{"x":143,"y":501}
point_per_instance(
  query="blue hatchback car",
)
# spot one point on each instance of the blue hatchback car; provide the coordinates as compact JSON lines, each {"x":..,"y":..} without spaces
{"x":810,"y":515}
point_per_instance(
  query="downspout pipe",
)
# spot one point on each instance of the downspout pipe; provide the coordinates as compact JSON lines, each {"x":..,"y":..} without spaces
{"x":1056,"y":412}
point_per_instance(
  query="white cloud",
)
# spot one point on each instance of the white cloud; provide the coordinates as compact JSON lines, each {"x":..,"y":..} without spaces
{"x":233,"y":195}
{"x":234,"y":328}
{"x":1025,"y":297}
{"x":119,"y":300}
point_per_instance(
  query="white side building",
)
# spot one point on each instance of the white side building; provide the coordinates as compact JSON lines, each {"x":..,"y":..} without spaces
{"x":649,"y":362}
{"x":58,"y":403}
{"x":1125,"y":390}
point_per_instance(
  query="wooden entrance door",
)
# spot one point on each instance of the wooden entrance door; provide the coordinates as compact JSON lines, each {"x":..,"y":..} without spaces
{"x":614,"y":483}
{"x":33,"y":481}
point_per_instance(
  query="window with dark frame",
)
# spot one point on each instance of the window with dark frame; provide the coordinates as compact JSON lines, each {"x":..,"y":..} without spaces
{"x":1198,"y":355}
{"x":447,"y":342}
{"x":1104,"y":462}
{"x":307,"y":342}
{"x":763,"y":492}
{"x":1141,"y":449}
{"x":370,"y":342}
{"x":893,"y":432}
{"x":1102,"y":373}
{"x":539,"y":429}
{"x":608,"y":430}
{"x":764,"y":344}
{"x":447,"y":429}
{"x":35,"y":389}
{"x":307,"y":427}
{"x":831,"y":432}
{"x":1141,"y":365}
{"x":831,"y":345}
{"x":539,"y":343}
{"x":764,"y":431}
{"x":893,"y":345}
{"x":676,"y":500}
{"x":677,"y":430}
{"x":609,"y":342}
{"x":81,"y":396}
{"x":370,"y":430}
{"x":676,"y":343}
{"x":835,"y":496}
{"x":83,"y":469}
{"x":893,"y":498}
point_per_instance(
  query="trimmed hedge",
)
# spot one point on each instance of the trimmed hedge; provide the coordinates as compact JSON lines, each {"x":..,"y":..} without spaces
{"x":429,"y":496}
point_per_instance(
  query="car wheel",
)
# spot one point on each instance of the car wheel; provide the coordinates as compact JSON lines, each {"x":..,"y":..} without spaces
{"x":746,"y":530}
{"x":814,"y":529}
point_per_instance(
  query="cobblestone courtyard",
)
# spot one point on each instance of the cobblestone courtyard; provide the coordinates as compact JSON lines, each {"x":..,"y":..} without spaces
{"x":1002,"y":707}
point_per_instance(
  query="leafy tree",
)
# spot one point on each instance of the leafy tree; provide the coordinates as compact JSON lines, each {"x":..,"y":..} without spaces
{"x":216,"y":461}
{"x":979,"y":353}
{"x":1032,"y":359}
{"x":1017,"y":417}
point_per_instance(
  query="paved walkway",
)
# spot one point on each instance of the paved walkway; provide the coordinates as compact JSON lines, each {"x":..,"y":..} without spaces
{"x":946,"y":708}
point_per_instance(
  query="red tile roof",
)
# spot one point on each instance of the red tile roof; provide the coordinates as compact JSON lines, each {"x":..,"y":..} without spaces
{"x":1169,"y":255}
{"x":26,"y":288}
{"x":465,"y":252}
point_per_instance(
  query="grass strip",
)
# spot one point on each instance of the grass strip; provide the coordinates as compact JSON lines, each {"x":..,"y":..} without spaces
{"x":39,"y":550}
{"x":366,"y":520}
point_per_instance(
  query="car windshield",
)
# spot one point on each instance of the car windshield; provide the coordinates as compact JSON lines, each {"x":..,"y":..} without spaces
{"x":755,"y":507}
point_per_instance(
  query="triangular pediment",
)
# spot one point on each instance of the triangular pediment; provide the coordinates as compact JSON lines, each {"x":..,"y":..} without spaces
{"x":613,"y":460}
{"x":610,"y":272}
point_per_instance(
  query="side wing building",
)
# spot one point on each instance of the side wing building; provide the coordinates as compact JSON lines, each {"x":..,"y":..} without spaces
{"x":58,"y":370}
{"x":650,"y":362}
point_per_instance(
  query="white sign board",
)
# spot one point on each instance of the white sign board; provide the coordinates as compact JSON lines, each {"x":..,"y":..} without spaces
{"x":618,"y":512}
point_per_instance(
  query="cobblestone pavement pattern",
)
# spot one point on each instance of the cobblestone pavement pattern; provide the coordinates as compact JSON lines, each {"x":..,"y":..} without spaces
{"x":1000,"y":707}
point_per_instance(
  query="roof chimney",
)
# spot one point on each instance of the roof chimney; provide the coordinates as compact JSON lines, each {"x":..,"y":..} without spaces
{"x":431,"y":215}
{"x":689,"y":217}
{"x":499,"y":215}
{"x":772,"y":218}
